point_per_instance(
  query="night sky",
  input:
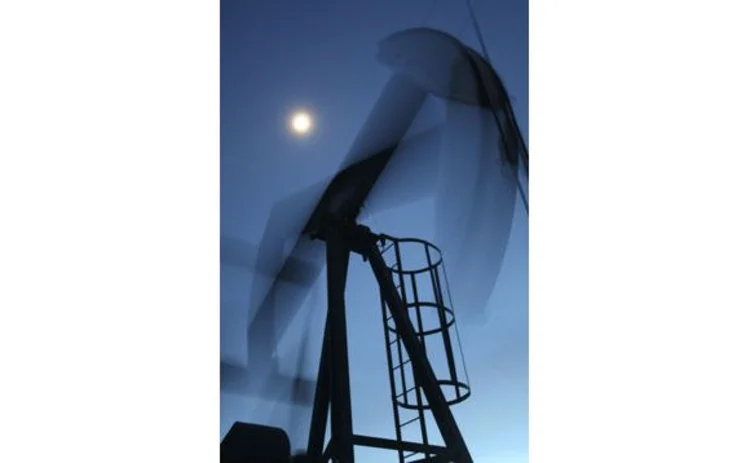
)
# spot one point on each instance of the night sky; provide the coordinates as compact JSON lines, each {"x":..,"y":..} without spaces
{"x":277,"y":56}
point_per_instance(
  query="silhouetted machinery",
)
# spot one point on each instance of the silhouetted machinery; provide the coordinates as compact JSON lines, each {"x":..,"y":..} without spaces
{"x":417,"y":308}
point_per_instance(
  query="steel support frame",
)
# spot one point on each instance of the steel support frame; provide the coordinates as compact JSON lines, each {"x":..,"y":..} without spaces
{"x":333,"y":386}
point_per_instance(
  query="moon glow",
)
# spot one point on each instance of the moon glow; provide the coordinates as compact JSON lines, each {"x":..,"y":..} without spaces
{"x":300,"y":123}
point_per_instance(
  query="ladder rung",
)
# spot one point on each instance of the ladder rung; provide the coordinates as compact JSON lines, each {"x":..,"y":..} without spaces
{"x":406,"y":392}
{"x":408,"y":422}
{"x":393,"y":342}
{"x":426,"y":460}
{"x":400,"y":365}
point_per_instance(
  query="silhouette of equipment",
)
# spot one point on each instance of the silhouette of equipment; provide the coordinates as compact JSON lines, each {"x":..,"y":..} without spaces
{"x":425,"y":62}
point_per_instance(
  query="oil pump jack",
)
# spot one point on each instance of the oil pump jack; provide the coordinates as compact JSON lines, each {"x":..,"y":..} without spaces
{"x":424,"y":62}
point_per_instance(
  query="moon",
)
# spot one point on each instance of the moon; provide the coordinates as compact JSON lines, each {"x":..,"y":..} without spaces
{"x":300,"y":123}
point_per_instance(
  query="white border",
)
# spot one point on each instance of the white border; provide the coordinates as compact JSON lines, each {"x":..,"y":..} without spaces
{"x":639,"y":232}
{"x":109,"y":194}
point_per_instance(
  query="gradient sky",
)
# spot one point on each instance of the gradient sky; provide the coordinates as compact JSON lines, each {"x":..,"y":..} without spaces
{"x":282,"y":54}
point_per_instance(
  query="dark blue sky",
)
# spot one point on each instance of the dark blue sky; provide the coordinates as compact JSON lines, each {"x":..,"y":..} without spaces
{"x":282,"y":54}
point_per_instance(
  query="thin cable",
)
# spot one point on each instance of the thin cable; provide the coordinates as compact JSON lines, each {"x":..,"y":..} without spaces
{"x":510,"y":117}
{"x":478,"y":31}
{"x":466,"y":22}
{"x":521,"y":192}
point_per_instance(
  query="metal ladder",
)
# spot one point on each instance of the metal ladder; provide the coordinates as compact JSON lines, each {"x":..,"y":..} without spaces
{"x":402,"y":384}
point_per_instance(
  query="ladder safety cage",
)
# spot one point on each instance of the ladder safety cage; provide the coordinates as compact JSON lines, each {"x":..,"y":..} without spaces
{"x":418,"y":273}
